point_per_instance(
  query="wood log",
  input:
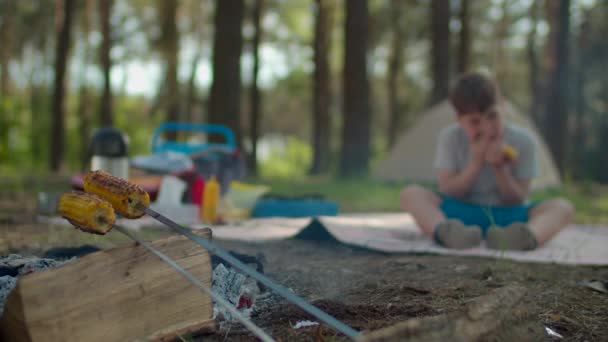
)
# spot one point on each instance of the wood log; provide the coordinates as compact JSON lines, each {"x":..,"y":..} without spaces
{"x":482,"y":316}
{"x":120,"y":294}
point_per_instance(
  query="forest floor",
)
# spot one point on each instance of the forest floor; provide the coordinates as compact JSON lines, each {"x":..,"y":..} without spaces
{"x":368,"y":290}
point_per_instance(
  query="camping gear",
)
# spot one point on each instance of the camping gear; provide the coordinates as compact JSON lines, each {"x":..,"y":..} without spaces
{"x":171,"y":191}
{"x":160,"y":145}
{"x":187,"y":161}
{"x":109,"y":150}
{"x":412,"y":157}
{"x":300,"y":206}
{"x":222,"y":159}
{"x":240,"y":199}
{"x":166,"y":162}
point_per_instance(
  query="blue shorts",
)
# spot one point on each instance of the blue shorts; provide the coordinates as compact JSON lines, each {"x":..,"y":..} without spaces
{"x":484,"y":216}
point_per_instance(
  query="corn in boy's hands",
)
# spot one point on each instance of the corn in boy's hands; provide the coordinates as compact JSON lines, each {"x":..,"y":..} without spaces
{"x":495,"y":153}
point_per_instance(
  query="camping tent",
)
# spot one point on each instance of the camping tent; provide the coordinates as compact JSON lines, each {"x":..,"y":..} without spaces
{"x":411,"y":159}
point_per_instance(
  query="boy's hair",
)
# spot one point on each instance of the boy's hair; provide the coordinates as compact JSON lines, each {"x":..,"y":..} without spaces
{"x":473,"y":93}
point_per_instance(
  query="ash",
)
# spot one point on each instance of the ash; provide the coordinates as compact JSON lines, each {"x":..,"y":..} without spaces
{"x":241,"y":291}
{"x":14,"y":266}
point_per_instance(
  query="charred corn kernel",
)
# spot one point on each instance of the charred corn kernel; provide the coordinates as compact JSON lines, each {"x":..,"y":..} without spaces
{"x":87,"y":212}
{"x":510,"y":152}
{"x":125,"y":197}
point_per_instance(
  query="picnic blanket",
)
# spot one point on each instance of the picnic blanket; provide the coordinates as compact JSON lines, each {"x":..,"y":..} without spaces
{"x":398,"y":233}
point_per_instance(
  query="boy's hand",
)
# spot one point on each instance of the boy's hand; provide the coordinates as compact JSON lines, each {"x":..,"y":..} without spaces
{"x":479,"y":147}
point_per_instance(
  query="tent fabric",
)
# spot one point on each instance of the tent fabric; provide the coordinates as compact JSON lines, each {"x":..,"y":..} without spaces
{"x":411,"y":159}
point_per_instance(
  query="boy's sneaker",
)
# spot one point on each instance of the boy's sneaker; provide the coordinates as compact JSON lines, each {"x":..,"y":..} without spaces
{"x":517,"y":237}
{"x":454,"y":234}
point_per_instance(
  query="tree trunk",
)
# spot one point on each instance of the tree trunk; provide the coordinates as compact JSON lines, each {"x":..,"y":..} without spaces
{"x":501,"y":51}
{"x":601,"y":171}
{"x":40,"y":101}
{"x":225,"y":94}
{"x":105,"y":111}
{"x":394,"y":79}
{"x":321,"y":88}
{"x":84,"y":114}
{"x":577,"y":156}
{"x":548,"y":65}
{"x":7,"y":22}
{"x":533,"y":67}
{"x":556,"y":111}
{"x":255,"y":97}
{"x":603,"y":132}
{"x":440,"y":49}
{"x":170,"y":50}
{"x":64,"y":25}
{"x":84,"y":97}
{"x":7,"y":33}
{"x":36,"y":98}
{"x":464,"y":47}
{"x":191,"y":96}
{"x":356,"y":126}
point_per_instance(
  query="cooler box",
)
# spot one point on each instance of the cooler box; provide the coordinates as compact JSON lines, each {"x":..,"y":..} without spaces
{"x":271,"y":207}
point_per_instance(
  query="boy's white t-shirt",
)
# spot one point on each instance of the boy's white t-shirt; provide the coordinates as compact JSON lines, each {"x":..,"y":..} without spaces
{"x":453,"y":154}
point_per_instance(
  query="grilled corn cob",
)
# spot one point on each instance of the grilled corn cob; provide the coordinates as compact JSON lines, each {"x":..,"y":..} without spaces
{"x":510,"y":152}
{"x":125,"y":197}
{"x":87,"y":212}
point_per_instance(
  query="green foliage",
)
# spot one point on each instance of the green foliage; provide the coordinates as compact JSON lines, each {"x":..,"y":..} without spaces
{"x":25,"y":117}
{"x":14,"y":133}
{"x":136,"y":123}
{"x":25,"y":131}
{"x":289,"y":161}
{"x":5,"y":124}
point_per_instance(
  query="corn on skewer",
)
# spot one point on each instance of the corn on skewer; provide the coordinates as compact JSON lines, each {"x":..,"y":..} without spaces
{"x":125,"y":197}
{"x":128,"y":201}
{"x":94,"y":215}
{"x":87,"y":212}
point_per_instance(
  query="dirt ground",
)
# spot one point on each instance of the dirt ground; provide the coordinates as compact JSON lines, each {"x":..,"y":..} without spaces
{"x":369,"y":290}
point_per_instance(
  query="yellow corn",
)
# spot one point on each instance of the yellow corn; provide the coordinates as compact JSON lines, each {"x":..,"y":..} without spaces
{"x":125,"y":197}
{"x":510,"y":152}
{"x":87,"y":212}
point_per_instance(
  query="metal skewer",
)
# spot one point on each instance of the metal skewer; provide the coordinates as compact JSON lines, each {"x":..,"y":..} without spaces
{"x":192,"y":279}
{"x":281,"y":290}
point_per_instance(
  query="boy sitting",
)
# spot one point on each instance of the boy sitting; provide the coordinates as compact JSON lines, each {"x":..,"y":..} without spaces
{"x":485,"y":169}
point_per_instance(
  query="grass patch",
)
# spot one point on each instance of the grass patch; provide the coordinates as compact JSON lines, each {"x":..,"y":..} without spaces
{"x":590,"y":201}
{"x":366,"y":195}
{"x":352,"y":195}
